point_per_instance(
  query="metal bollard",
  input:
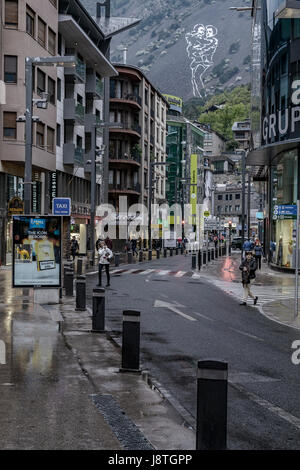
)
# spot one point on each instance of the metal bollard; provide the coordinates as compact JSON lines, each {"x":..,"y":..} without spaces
{"x":165,"y":252}
{"x":140,"y":256}
{"x":131,"y":341}
{"x":150,"y":255}
{"x":211,"y":425}
{"x":79,"y":266}
{"x":176,"y":251}
{"x":117,"y":259}
{"x":212,"y":255}
{"x":171,"y":251}
{"x":194,"y":261}
{"x":129,"y":257}
{"x":80,"y":294}
{"x":217,"y":252}
{"x":157,"y":254}
{"x":208,"y":256}
{"x":204,"y":257}
{"x":182,"y":250}
{"x":199,"y":260}
{"x":98,"y":310}
{"x":69,"y":276}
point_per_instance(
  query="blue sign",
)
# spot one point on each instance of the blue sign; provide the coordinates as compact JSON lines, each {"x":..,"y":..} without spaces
{"x":285,"y":211}
{"x":37,"y":223}
{"x":62,"y":206}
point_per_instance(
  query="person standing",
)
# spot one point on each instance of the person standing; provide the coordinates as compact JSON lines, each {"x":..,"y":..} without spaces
{"x":133,"y":246}
{"x":258,"y":252}
{"x":248,"y":268}
{"x":105,"y":254}
{"x":74,"y":247}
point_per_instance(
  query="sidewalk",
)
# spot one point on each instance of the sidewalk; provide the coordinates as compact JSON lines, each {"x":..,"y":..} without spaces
{"x":61,"y":387}
{"x":276,"y":288}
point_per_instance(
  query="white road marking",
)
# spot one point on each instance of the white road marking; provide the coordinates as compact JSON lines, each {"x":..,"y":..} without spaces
{"x":173,"y":308}
{"x":291,"y":419}
{"x":148,"y":271}
{"x":246,"y":334}
{"x":163,"y":272}
{"x":204,"y":316}
{"x":180,"y":274}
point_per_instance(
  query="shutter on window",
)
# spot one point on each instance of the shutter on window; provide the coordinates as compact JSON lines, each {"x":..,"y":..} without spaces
{"x":9,"y":120}
{"x":11,"y":12}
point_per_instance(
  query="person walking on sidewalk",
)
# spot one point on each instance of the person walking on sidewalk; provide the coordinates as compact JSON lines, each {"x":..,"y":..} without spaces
{"x":74,"y":247}
{"x":258,"y":252}
{"x":248,"y":268}
{"x":105,"y":254}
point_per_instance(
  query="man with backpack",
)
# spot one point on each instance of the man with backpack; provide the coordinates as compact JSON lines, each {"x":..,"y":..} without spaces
{"x":248,"y":268}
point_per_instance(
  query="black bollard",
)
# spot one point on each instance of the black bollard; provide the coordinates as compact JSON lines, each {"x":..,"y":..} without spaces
{"x":129,"y":257}
{"x":211,"y":425}
{"x":176,"y":251}
{"x":98,"y":310}
{"x":217,"y":252}
{"x":150,"y":255}
{"x":171,"y":251}
{"x":204,"y":257}
{"x":194,"y":261}
{"x":208,"y":256}
{"x":117,"y":260}
{"x":80,"y":294}
{"x":212,"y":254}
{"x":182,"y":250}
{"x":131,"y":341}
{"x":79,"y":266}
{"x":140,"y":256}
{"x":165,"y":252}
{"x":69,"y":278}
{"x":157,"y":254}
{"x":199,"y":260}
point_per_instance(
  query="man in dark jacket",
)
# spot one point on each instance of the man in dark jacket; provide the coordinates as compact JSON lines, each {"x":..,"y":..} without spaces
{"x":248,"y":268}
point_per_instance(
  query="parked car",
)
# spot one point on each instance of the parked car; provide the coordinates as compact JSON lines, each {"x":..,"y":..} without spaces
{"x":236,"y":243}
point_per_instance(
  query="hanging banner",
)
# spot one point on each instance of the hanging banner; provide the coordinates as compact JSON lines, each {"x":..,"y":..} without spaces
{"x":36,"y":251}
{"x":193,"y":190}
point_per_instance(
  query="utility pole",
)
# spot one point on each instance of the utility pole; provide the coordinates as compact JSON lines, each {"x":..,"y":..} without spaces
{"x":249,"y":205}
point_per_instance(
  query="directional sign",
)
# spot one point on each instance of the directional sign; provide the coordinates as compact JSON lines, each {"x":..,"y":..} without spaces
{"x":62,"y":206}
{"x":285,"y":211}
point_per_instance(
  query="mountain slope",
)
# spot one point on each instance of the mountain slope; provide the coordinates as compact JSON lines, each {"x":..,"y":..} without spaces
{"x":158,"y":44}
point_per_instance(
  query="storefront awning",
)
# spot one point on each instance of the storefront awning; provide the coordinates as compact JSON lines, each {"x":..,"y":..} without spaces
{"x":266,"y":155}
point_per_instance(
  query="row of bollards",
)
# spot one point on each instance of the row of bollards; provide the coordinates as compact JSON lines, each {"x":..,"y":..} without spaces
{"x":210,"y":254}
{"x":212,"y":376}
{"x":149,"y":253}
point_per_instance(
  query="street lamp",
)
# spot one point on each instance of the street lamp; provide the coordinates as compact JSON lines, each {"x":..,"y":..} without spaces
{"x":30,"y":63}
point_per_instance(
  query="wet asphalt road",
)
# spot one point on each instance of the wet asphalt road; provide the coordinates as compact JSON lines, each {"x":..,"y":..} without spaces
{"x":264,"y":398}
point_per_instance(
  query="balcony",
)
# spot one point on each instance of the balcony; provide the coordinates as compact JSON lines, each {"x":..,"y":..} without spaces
{"x":128,"y":127}
{"x":133,"y":158}
{"x":73,"y":111}
{"x":94,"y":86}
{"x":73,"y":155}
{"x":92,"y":120}
{"x":131,"y":99}
{"x":287,"y":9}
{"x":118,"y":188}
{"x":78,"y":72}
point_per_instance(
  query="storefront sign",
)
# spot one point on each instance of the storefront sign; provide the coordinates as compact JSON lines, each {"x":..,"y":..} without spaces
{"x":15,"y":206}
{"x":53,"y":186}
{"x":36,"y":251}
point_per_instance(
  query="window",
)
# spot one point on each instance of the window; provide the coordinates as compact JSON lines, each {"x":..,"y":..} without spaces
{"x":10,"y":69}
{"x":41,"y":82}
{"x":50,"y":139}
{"x":220,"y":197}
{"x":237,"y":196}
{"x":11,"y":14}
{"x":58,"y":135}
{"x":9,"y":125}
{"x":51,"y":41}
{"x":51,"y":90}
{"x":59,"y":89}
{"x":40,"y":135}
{"x":42,"y":32}
{"x":30,"y":21}
{"x":54,"y":2}
{"x":237,"y":208}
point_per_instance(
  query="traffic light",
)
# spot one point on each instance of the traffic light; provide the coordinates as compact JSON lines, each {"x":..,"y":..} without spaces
{"x":230,"y":224}
{"x":183,"y":222}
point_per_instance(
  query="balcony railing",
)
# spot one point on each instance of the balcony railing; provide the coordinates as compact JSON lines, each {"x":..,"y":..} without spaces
{"x":132,"y":126}
{"x":73,"y":155}
{"x":99,"y":88}
{"x":121,"y":187}
{"x":133,"y":156}
{"x":79,"y":70}
{"x":130,"y":97}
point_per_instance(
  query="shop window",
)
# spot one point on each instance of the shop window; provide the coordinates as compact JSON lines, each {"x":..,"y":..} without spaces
{"x":10,"y":69}
{"x":296,"y":27}
{"x":9,"y":125}
{"x":11,"y":14}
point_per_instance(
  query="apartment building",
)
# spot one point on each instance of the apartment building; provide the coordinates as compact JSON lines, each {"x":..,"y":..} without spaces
{"x":140,"y":140}
{"x":242,"y":133}
{"x":66,"y":133}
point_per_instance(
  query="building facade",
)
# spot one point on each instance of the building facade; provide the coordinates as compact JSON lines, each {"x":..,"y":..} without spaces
{"x":277,"y":152}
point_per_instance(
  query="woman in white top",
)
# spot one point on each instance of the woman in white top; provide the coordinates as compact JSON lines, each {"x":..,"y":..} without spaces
{"x":105,"y":254}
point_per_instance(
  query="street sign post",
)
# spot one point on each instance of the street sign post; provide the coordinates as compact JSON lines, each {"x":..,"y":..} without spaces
{"x":62,"y":206}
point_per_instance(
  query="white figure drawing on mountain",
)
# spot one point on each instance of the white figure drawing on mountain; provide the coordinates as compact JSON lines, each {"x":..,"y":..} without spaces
{"x":202,"y":45}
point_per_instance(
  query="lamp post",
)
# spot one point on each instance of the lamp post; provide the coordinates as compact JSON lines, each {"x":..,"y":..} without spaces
{"x":30,"y":63}
{"x":243,"y":198}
